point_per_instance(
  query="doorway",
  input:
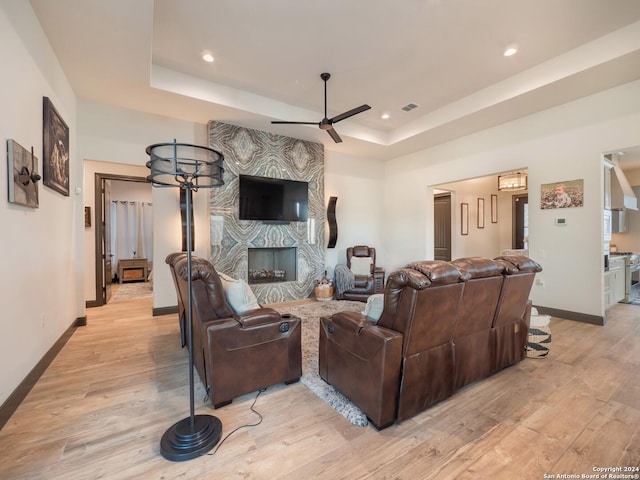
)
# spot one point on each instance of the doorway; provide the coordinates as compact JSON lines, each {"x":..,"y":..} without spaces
{"x":469,"y":232}
{"x":103,"y":254}
{"x":520,"y":221}
{"x":442,"y":226}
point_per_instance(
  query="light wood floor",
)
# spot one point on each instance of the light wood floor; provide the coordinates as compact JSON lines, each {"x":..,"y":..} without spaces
{"x":100,"y":409}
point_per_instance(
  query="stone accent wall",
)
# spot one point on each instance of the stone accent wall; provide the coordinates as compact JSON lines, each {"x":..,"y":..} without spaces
{"x":253,"y":152}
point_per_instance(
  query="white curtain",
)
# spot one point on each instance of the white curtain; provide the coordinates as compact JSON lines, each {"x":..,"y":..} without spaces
{"x":131,"y":231}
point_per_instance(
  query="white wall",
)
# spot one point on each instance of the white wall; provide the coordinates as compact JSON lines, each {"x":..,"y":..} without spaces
{"x":562,"y":143}
{"x":359,"y":185}
{"x":120,"y":136}
{"x":41,"y":284}
{"x":633,"y":176}
{"x":131,"y":191}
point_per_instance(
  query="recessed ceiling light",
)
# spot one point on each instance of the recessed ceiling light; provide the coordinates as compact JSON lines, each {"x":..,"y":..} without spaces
{"x":207,"y":57}
{"x":512,"y":50}
{"x":384,"y":116}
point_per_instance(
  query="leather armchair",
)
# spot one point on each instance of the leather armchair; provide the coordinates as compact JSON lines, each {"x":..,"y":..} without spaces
{"x":236,"y":354}
{"x":171,"y":259}
{"x":364,"y":285}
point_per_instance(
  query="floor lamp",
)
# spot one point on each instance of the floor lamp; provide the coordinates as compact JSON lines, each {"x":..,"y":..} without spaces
{"x":189,"y":167}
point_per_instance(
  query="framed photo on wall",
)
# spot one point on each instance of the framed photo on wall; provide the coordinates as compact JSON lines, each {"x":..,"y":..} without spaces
{"x":23,"y":175}
{"x":464,"y":219}
{"x":55,"y":149}
{"x":567,"y":194}
{"x":494,"y":208}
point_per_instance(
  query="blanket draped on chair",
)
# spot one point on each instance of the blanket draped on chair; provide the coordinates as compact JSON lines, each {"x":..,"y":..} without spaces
{"x":344,"y":278}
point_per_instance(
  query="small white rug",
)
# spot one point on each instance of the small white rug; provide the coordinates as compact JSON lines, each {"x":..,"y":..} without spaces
{"x":131,"y":291}
{"x":310,"y":314}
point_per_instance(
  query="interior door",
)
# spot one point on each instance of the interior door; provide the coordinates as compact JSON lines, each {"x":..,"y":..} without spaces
{"x":442,"y":226}
{"x":520,"y":221}
{"x":106,"y":240}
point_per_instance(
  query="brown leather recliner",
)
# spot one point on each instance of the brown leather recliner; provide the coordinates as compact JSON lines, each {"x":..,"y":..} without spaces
{"x":444,"y":324}
{"x":171,"y":259}
{"x":473,"y":338}
{"x":236,"y":354}
{"x":510,"y":329}
{"x":404,"y":363}
{"x":364,"y":285}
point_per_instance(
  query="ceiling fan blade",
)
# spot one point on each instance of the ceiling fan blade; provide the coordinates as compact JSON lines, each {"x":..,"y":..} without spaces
{"x":334,"y":135}
{"x":350,"y":113}
{"x":293,"y":123}
{"x":327,"y":123}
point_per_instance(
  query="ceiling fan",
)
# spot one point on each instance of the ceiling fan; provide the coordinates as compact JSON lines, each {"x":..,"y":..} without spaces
{"x":327,"y":123}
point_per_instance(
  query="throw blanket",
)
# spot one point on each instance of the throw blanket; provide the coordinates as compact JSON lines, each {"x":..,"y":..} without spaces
{"x":345,"y":279}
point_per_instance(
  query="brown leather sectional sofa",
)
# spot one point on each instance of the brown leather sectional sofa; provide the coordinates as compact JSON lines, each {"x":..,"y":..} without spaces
{"x":444,"y":325}
{"x":235,"y":354}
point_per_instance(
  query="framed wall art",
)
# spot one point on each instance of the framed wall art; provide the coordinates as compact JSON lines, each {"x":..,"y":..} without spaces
{"x":480,"y":212}
{"x":55,"y":149}
{"x":22,"y":167}
{"x":565,"y":194}
{"x":464,"y":219}
{"x":494,"y":208}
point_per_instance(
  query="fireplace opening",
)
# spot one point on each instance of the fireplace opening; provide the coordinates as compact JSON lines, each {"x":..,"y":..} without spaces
{"x":272,"y":265}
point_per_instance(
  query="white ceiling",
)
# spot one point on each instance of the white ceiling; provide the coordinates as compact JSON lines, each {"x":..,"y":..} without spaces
{"x":444,"y":55}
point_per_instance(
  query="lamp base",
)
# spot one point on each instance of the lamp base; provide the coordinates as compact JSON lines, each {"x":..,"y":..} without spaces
{"x":183,"y":442}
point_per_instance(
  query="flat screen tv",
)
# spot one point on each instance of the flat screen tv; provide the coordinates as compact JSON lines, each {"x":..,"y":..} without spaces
{"x":273,"y":199}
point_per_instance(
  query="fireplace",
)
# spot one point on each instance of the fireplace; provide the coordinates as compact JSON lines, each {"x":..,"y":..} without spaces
{"x":271,"y":265}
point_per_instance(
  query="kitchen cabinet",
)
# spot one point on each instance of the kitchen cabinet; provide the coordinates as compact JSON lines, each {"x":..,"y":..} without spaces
{"x":614,"y":282}
{"x":607,"y":223}
{"x":607,"y":187}
{"x":618,"y":280}
{"x":608,"y":298}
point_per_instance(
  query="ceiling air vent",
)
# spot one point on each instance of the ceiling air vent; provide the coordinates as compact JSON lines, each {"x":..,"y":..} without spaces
{"x":410,"y":106}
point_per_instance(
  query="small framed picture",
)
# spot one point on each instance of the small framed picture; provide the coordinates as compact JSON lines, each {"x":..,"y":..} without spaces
{"x":481,"y":213}
{"x":55,"y":149}
{"x":464,"y":219}
{"x":494,"y":208}
{"x":87,"y":216}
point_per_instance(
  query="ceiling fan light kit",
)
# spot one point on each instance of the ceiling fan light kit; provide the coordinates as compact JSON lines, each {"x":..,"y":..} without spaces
{"x":327,"y":123}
